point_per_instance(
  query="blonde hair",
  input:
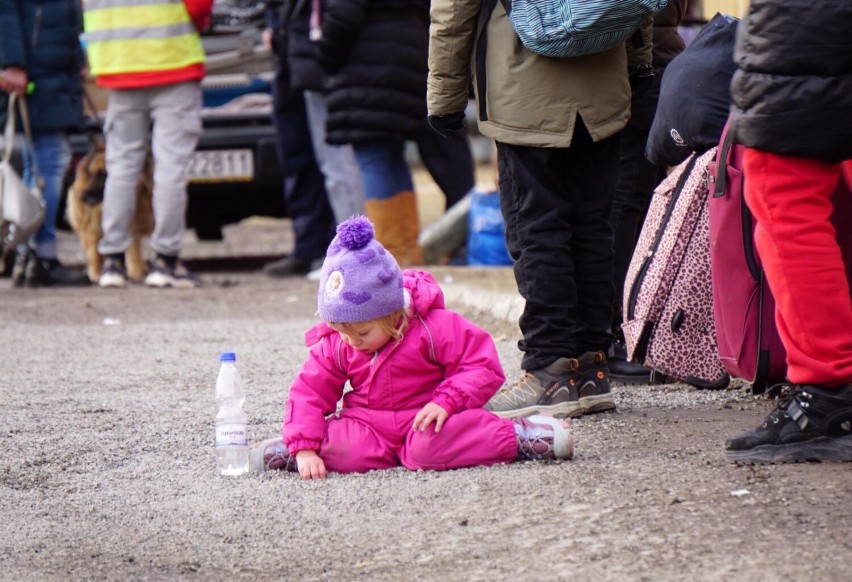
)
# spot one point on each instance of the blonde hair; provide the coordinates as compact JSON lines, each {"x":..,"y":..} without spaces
{"x":394,"y":324}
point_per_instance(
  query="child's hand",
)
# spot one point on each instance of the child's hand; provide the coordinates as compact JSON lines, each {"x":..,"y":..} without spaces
{"x":430,"y":412}
{"x":310,"y":465}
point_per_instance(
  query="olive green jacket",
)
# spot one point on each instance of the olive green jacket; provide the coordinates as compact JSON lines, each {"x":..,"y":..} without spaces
{"x":522,"y":98}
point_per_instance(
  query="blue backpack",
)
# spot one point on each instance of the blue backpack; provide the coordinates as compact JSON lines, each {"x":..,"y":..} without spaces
{"x":572,"y":28}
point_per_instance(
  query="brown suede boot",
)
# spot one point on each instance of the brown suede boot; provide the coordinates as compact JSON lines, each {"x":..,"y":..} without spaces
{"x":397,"y":225}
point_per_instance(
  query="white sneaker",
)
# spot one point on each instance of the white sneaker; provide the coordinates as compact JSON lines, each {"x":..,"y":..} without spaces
{"x":162,"y":275}
{"x":113,"y":274}
{"x":542,"y":437}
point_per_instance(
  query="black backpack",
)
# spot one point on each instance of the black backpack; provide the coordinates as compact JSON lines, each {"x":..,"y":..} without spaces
{"x":695,"y":95}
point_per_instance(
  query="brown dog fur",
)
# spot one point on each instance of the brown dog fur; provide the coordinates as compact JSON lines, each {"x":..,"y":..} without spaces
{"x":84,"y":210}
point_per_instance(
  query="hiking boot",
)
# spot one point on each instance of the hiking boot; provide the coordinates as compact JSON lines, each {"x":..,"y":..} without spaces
{"x":569,"y":387}
{"x":291,"y":266}
{"x":271,"y":455}
{"x":41,"y":272}
{"x":590,"y":379}
{"x":543,"y":437}
{"x":113,"y":273}
{"x":545,"y":391}
{"x":170,"y":272}
{"x":811,"y":424}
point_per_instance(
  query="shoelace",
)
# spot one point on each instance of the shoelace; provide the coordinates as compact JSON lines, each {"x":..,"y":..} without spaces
{"x":531,"y":437}
{"x":519,"y":390}
{"x":793,"y":406}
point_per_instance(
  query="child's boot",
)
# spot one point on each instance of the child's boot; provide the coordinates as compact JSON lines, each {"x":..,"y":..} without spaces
{"x":543,"y":437}
{"x":271,"y":455}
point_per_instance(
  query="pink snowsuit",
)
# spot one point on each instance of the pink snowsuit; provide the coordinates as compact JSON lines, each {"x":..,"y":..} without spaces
{"x":443,"y":358}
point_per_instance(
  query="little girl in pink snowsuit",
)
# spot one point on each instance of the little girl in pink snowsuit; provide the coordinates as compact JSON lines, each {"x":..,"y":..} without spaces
{"x":419,"y":373}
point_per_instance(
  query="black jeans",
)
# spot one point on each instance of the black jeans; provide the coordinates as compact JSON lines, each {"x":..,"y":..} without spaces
{"x":556,"y":203}
{"x":637,"y":178}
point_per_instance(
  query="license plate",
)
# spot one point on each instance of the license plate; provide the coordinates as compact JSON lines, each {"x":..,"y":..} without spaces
{"x":221,"y":166}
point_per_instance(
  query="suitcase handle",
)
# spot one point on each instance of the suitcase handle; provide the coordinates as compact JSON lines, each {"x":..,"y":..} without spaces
{"x":721,"y":178}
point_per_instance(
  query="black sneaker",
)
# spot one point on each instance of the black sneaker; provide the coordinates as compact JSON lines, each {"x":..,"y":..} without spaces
{"x":19,"y":268}
{"x":811,"y":424}
{"x":41,"y":272}
{"x":170,"y":272}
{"x":113,"y":273}
{"x":291,"y":266}
{"x":569,"y":387}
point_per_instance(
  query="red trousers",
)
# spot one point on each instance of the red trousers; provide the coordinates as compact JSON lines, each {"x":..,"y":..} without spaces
{"x":797,"y":244}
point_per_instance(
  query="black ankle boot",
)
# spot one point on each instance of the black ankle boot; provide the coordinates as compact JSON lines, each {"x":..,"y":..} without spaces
{"x":627,"y":372}
{"x":19,"y":269}
{"x":42,"y":272}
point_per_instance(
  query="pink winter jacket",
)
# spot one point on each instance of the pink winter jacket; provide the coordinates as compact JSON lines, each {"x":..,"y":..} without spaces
{"x":443,"y":358}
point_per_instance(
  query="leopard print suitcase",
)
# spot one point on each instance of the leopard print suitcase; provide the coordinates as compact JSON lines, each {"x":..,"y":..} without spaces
{"x":668,"y":298}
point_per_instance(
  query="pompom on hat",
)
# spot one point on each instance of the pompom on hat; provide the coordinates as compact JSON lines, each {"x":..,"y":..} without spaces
{"x":360,"y":280}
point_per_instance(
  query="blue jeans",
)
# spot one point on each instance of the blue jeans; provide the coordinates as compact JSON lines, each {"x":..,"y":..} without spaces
{"x":383,"y":168}
{"x":337,"y":162}
{"x":52,"y":157}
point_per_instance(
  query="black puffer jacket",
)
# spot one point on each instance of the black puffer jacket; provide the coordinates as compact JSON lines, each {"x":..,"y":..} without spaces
{"x":41,"y":37}
{"x":376,"y":53}
{"x":298,"y":49}
{"x":792,"y":93}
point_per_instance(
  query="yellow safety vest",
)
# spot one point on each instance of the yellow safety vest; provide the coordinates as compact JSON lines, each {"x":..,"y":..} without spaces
{"x":132,"y":36}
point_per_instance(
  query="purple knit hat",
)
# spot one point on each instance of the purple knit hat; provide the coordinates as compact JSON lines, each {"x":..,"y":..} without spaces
{"x":360,"y":280}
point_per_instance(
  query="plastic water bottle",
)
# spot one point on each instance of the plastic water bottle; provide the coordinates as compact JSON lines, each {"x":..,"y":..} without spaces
{"x":231,"y":422}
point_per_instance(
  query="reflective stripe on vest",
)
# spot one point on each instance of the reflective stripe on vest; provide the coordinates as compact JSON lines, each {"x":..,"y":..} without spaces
{"x":131,"y":36}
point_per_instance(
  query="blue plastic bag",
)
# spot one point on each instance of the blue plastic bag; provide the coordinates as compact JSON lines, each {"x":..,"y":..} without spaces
{"x":486,"y":242}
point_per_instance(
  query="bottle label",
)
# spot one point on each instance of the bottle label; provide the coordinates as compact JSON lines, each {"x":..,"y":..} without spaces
{"x":232,"y":434}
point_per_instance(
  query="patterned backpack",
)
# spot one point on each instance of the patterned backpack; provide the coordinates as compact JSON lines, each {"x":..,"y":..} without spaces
{"x":572,"y":28}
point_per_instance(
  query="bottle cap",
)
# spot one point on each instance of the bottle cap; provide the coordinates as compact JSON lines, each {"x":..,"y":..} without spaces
{"x":227,"y":357}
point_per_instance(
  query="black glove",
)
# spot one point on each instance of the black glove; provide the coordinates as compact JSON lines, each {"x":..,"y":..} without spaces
{"x":641,"y":78}
{"x":445,"y":125}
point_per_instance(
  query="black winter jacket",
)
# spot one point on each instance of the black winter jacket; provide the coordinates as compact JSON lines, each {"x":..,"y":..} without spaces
{"x":376,"y":53}
{"x":792,"y":93}
{"x":42,"y":37}
{"x":299,"y":51}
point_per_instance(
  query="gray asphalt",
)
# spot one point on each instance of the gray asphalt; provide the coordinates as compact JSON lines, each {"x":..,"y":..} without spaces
{"x":107,"y":466}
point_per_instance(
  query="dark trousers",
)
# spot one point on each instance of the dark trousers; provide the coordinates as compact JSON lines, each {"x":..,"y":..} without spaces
{"x":637,"y":178}
{"x":304,"y":185}
{"x":556,"y":203}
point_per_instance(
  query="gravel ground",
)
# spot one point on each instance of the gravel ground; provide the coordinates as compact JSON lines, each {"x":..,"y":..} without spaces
{"x":107,"y":470}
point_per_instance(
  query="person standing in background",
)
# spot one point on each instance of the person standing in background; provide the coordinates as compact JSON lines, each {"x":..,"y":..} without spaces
{"x":792,"y":109}
{"x":374,"y":53}
{"x":153,"y":71}
{"x":39,"y":45}
{"x":648,"y":55}
{"x":337,"y":162}
{"x":305,"y":193}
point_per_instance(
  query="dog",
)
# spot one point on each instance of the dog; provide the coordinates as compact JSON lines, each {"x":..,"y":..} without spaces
{"x":84,"y":211}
